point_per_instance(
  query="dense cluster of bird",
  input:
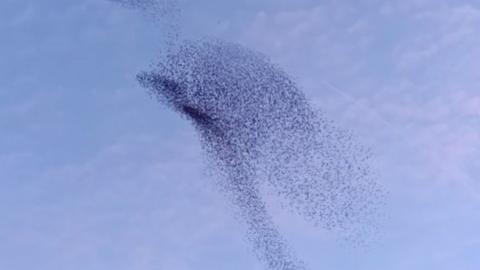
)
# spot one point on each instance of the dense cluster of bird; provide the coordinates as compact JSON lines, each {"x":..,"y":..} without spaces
{"x":256,"y":128}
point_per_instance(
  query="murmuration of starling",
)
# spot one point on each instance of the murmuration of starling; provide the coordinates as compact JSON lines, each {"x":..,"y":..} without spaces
{"x":256,"y":126}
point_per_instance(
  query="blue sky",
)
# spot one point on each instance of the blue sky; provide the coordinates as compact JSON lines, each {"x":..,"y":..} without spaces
{"x":95,"y":175}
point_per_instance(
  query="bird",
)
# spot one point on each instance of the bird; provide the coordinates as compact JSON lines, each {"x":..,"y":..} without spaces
{"x":257,"y":127}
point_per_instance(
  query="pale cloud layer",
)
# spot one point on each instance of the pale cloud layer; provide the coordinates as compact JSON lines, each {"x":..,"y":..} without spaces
{"x":93,"y":175}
